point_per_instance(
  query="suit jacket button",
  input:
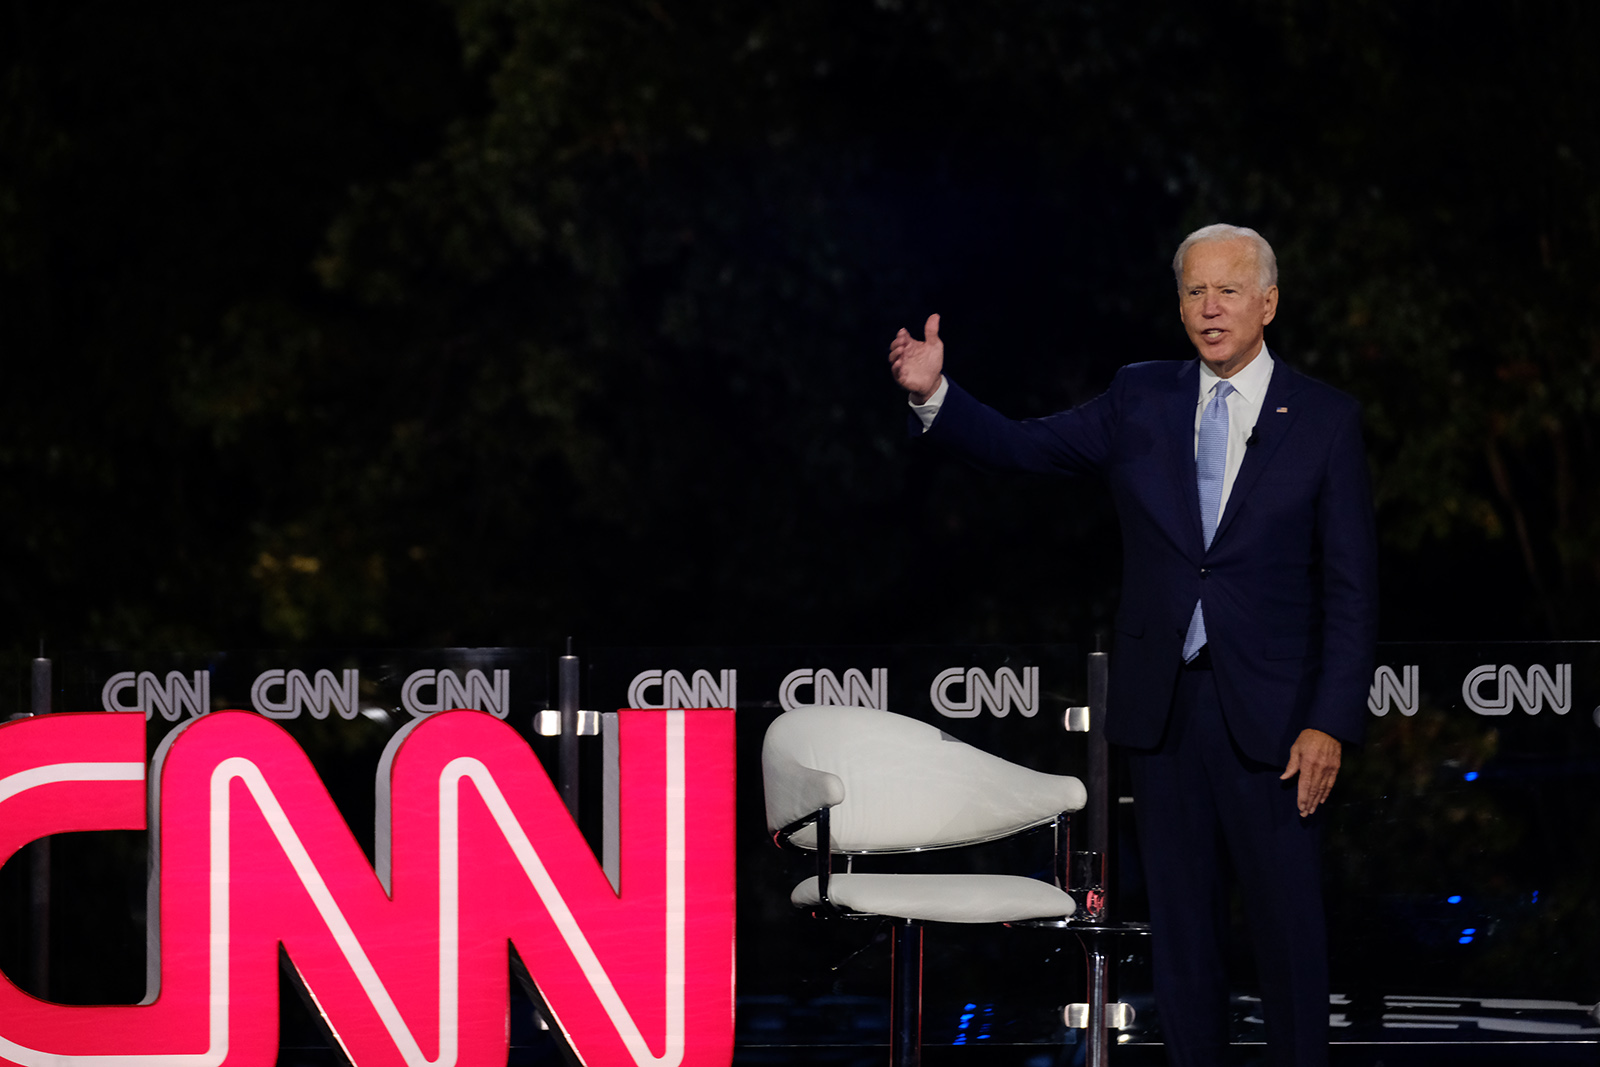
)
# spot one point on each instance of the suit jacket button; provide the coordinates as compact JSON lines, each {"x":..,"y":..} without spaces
{"x":1204,"y":571}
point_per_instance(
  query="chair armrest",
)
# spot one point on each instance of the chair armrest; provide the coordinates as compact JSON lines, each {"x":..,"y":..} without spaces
{"x":795,"y":792}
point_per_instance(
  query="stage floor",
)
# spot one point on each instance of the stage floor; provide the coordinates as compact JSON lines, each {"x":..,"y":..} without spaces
{"x":1410,"y":1054}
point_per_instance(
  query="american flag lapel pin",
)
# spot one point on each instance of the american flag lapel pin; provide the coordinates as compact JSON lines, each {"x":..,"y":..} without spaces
{"x":1283,"y":411}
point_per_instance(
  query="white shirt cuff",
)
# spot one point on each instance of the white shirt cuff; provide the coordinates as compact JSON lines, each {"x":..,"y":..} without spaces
{"x":929,"y":411}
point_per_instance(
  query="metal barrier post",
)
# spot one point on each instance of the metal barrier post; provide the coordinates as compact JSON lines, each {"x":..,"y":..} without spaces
{"x":1099,"y":837}
{"x":1095,"y":928}
{"x":567,"y":701}
{"x":1099,"y":756}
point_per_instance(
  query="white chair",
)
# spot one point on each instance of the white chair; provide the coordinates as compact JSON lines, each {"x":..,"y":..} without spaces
{"x":858,"y":781}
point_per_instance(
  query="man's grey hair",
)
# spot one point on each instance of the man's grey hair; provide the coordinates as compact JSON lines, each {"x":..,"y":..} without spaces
{"x":1266,"y":261}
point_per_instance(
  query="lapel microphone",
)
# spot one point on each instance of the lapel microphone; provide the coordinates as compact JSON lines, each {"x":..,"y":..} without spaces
{"x":1248,"y":441}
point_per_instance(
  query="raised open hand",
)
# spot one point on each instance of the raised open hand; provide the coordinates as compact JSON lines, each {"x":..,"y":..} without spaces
{"x":917,"y":366}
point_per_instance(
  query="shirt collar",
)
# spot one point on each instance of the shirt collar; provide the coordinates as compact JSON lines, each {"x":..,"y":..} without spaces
{"x":1250,"y":382}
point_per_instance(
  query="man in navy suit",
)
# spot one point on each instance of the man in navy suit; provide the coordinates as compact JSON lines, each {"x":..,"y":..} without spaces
{"x":1244,"y":638}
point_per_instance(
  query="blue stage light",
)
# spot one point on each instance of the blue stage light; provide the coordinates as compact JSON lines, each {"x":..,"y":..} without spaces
{"x":1472,"y":776}
{"x":1464,"y":941}
{"x":1454,"y":898}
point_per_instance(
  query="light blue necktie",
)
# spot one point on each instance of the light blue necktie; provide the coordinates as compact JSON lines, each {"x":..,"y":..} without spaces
{"x":1210,"y":464}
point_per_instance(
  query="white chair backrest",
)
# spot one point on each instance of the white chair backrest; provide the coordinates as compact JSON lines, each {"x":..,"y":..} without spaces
{"x":897,"y":784}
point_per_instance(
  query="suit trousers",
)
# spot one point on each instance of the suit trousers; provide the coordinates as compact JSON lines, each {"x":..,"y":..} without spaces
{"x":1207,"y":816}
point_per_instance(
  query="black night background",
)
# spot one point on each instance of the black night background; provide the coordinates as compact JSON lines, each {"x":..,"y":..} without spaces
{"x":487,"y":323}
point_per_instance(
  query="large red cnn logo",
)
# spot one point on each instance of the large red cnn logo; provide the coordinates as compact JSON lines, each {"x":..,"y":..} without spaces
{"x":409,"y":962}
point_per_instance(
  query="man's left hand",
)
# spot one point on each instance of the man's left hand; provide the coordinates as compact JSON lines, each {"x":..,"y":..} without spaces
{"x":1315,"y":758}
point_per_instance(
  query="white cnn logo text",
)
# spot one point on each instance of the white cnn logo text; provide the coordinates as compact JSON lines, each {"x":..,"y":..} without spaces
{"x":806,"y":687}
{"x":151,"y":695}
{"x":451,"y":691}
{"x":1530,"y":691}
{"x":280,"y":694}
{"x":998,"y":695}
{"x":1390,"y":691}
{"x":673,"y":690}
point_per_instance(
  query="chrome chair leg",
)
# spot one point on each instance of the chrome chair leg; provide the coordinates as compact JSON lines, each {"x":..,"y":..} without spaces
{"x":1098,"y":985}
{"x":905,"y":1008}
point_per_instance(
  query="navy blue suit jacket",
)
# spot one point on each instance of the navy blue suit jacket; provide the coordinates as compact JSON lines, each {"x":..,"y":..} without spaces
{"x":1289,"y":583}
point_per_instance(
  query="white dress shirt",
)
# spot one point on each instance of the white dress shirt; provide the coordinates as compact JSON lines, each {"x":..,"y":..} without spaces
{"x":1244,"y":410}
{"x":927,"y":412}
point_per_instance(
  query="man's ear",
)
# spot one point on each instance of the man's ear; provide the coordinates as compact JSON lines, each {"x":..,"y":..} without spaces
{"x":1272,"y":305}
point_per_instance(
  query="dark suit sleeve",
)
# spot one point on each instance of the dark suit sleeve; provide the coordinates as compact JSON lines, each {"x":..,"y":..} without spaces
{"x":1347,"y":545}
{"x":1070,"y":442}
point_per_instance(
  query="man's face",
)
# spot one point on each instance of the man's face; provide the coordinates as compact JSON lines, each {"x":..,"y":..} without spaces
{"x":1224,"y":309}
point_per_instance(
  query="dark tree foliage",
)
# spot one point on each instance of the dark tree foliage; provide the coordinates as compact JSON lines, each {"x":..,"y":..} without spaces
{"x":493,"y":321}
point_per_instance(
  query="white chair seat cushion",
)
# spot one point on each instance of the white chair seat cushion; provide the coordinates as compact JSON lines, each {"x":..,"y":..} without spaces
{"x":941,"y":898}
